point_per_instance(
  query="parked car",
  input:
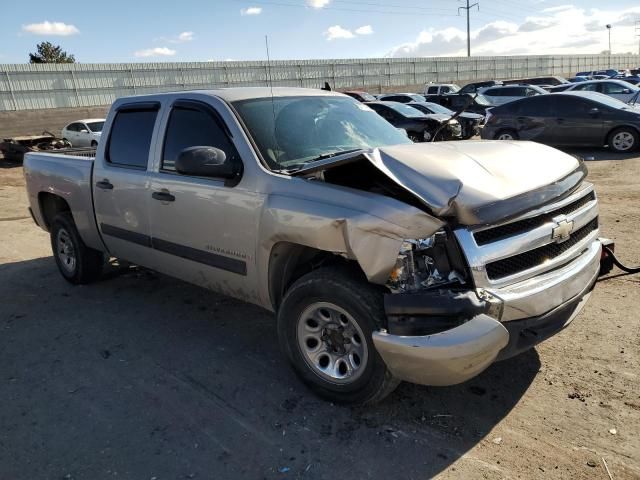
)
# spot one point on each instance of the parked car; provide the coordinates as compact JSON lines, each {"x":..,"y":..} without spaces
{"x":608,"y":73}
{"x":539,"y":81}
{"x":475,"y":86}
{"x":568,"y":119}
{"x":401,"y":97}
{"x":472,"y":103}
{"x":360,"y":96}
{"x":632,"y":80}
{"x":508,"y":93}
{"x":420,"y":127}
{"x":618,"y":89}
{"x":558,"y":88}
{"x":470,"y":122}
{"x":440,"y":88}
{"x":383,"y":260}
{"x":577,"y":79}
{"x":84,"y":133}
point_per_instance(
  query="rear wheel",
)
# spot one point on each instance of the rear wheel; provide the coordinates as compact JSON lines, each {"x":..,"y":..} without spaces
{"x":325,"y":326}
{"x":507,"y":135}
{"x":77,"y":263}
{"x":624,"y":139}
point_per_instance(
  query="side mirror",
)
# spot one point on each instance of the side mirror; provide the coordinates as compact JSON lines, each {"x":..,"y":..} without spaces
{"x":206,"y":162}
{"x":626,"y":91}
{"x":594,"y":112}
{"x":84,"y":130}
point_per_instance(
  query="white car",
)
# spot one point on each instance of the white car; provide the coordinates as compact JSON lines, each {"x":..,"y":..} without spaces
{"x":84,"y":133}
{"x":501,"y":94}
{"x":618,"y":89}
{"x":440,"y":88}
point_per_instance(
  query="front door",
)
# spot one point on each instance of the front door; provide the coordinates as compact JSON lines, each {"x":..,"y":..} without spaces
{"x":203,"y":229}
{"x":121,"y":190}
{"x":577,"y":123}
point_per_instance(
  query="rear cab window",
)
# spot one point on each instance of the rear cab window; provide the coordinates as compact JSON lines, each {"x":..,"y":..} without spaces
{"x":130,"y":136}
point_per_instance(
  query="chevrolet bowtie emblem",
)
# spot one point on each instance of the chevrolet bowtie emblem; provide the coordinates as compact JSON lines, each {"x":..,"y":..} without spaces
{"x":562,"y":231}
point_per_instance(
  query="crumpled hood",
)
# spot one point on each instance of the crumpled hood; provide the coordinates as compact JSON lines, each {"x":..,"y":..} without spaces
{"x":480,"y":182}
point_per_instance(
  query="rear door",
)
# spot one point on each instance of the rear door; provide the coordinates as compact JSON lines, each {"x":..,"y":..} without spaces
{"x":534,"y":118}
{"x":203,"y":228}
{"x":121,"y":183}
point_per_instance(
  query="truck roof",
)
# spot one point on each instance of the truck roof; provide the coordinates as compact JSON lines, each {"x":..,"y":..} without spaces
{"x":247,"y":93}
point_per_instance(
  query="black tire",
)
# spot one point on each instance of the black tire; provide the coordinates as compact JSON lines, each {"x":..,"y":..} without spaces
{"x":350,"y":292}
{"x":507,"y":131}
{"x":415,"y":138}
{"x":87,"y":263}
{"x":617,"y":146}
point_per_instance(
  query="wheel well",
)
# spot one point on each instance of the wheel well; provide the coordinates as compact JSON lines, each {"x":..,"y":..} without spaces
{"x":290,"y":261}
{"x":617,"y":127}
{"x":50,"y":206}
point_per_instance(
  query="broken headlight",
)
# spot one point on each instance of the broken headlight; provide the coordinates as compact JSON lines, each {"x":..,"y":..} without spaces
{"x":423,"y":264}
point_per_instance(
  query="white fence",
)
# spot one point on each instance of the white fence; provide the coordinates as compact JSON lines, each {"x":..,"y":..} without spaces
{"x":30,"y":87}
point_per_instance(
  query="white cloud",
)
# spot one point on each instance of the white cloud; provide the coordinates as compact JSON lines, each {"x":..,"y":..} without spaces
{"x":337,"y":31}
{"x":318,"y":3}
{"x":185,"y":37}
{"x":155,"y":52}
{"x":364,"y":30}
{"x":558,"y":30}
{"x":251,"y":11}
{"x":50,"y":28}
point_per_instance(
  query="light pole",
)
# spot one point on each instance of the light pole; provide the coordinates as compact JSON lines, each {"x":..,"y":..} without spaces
{"x":609,"y":29}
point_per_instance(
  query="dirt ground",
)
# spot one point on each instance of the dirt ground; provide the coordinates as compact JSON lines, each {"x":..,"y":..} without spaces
{"x":144,"y":377}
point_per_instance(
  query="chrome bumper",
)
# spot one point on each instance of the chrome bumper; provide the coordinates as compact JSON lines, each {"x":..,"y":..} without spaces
{"x":445,"y":358}
{"x":546,"y":303}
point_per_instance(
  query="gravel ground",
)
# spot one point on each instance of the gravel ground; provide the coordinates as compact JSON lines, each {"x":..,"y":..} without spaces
{"x":142,"y":377}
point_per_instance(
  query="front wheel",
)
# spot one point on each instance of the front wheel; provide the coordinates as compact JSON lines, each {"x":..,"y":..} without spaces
{"x":623,"y":140}
{"x":77,"y":263}
{"x":325,"y":326}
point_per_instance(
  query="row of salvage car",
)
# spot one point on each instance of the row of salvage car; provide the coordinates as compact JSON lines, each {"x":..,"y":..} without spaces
{"x":592,"y":113}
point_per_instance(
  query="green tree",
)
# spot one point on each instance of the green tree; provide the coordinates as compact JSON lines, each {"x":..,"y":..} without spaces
{"x":47,"y":52}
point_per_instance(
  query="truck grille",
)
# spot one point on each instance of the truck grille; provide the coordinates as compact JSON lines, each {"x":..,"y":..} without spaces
{"x":490,"y":235}
{"x":525,"y":261}
{"x":525,"y":247}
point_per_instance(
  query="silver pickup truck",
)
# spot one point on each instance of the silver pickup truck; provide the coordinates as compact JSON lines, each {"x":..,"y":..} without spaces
{"x":383,"y":259}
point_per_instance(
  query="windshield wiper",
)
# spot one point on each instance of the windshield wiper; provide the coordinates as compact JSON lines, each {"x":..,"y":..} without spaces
{"x":299,"y":166}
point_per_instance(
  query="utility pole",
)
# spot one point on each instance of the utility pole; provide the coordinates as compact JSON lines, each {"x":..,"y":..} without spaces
{"x":609,"y":30}
{"x":467,"y":8}
{"x":638,"y":34}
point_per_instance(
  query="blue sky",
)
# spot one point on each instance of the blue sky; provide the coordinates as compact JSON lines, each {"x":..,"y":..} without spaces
{"x":201,"y":30}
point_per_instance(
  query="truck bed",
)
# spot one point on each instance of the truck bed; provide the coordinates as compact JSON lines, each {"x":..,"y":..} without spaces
{"x":67,"y":174}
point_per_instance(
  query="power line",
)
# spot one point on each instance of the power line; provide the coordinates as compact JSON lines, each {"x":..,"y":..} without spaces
{"x":468,"y":8}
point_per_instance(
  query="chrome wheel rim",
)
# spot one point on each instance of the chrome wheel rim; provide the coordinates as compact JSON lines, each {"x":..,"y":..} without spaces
{"x":65,"y":250}
{"x":505,"y":136}
{"x":623,"y":141}
{"x":332,"y":343}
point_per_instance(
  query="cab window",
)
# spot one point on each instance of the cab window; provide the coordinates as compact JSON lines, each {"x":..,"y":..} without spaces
{"x":130,"y":137}
{"x":194,"y":127}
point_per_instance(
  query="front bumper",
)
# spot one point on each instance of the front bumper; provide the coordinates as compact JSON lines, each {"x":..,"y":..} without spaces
{"x":529,"y":313}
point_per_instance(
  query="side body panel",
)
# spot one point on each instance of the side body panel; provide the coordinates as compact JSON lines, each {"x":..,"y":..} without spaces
{"x":69,"y":178}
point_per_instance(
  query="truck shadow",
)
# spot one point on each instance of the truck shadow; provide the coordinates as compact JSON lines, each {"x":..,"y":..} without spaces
{"x":166,"y":377}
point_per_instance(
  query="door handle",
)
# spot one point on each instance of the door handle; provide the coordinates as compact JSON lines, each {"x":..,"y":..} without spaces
{"x":163,"y":196}
{"x":105,"y":185}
